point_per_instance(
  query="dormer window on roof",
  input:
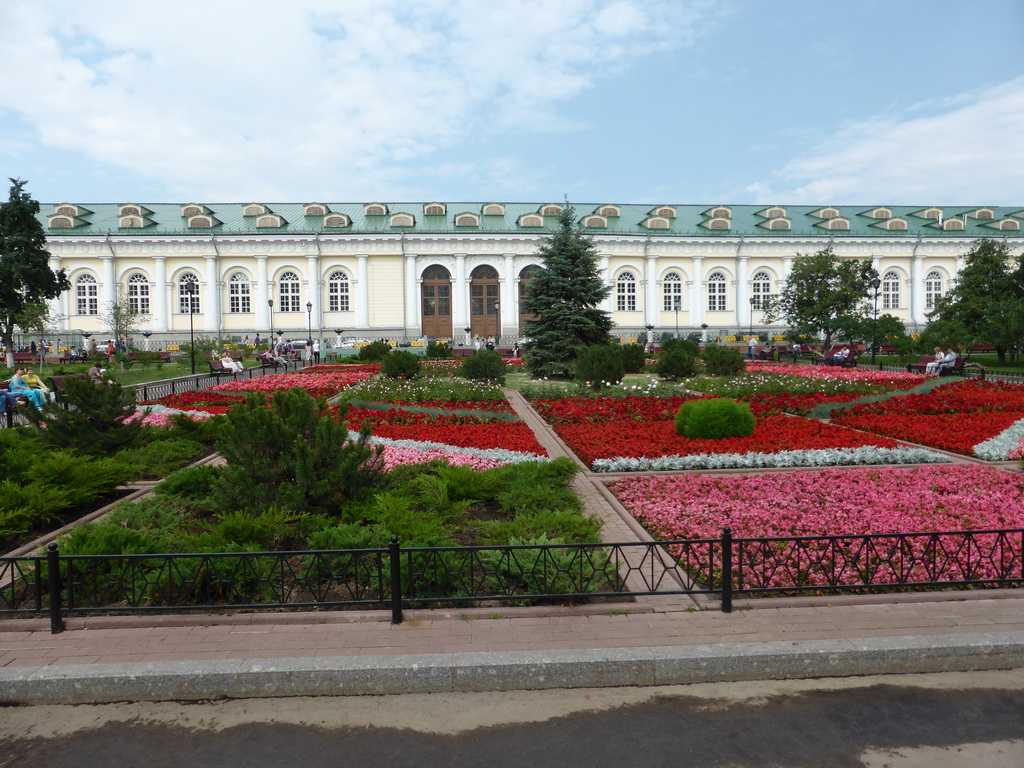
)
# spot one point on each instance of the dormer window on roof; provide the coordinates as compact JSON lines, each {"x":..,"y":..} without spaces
{"x":953,"y":225}
{"x":829,"y":213}
{"x":665,"y":212}
{"x":254,"y":209}
{"x":336,"y":220}
{"x":984,"y":213}
{"x":435,"y":209}
{"x":776,"y":212}
{"x":656,"y":222}
{"x":881,"y":213}
{"x":200,"y":222}
{"x":129,"y":209}
{"x":467,"y":219}
{"x":375,"y":209}
{"x":66,"y":209}
{"x":129,"y":222}
{"x":595,"y":222}
{"x":895,"y":225}
{"x":609,"y":210}
{"x":402,"y":220}
{"x":314,"y":209}
{"x":191,"y":209}
{"x":1009,"y":225}
{"x":721,"y":213}
{"x":494,"y":209}
{"x":778,"y":223}
{"x":720,"y":222}
{"x":932,"y":213}
{"x":269,"y":221}
{"x":551,"y":210}
{"x":531,"y":220}
{"x":58,"y":221}
{"x":839,"y":224}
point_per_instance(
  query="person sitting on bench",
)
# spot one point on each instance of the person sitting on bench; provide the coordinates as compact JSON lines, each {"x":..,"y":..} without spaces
{"x":947,"y":362}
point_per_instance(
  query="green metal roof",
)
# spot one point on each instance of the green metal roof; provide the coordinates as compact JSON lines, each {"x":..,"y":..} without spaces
{"x":690,"y":220}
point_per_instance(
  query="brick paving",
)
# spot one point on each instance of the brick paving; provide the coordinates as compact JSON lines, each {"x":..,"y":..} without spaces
{"x":669,"y":621}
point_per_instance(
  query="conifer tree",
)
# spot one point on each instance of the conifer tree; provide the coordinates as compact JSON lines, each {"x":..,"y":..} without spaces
{"x":565,"y":296}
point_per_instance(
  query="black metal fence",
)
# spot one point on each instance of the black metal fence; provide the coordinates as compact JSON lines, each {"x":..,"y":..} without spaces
{"x":395,"y":577}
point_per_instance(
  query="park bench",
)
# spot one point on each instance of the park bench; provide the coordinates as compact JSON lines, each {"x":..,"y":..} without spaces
{"x":920,"y":365}
{"x":11,"y":409}
{"x":217,"y":368}
{"x":26,"y":357}
{"x":56,"y":384}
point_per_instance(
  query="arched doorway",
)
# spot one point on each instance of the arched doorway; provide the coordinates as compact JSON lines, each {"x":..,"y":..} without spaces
{"x":484,"y":305}
{"x":436,"y":297}
{"x":526,"y":276}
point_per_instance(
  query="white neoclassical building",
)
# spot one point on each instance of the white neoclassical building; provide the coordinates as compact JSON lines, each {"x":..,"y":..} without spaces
{"x":436,"y":269}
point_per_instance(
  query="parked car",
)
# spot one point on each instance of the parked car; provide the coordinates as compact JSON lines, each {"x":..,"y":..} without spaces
{"x":350,"y":343}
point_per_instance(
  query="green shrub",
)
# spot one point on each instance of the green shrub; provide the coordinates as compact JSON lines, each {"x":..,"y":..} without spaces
{"x":105,"y":539}
{"x":438,"y":350}
{"x":375,"y":352}
{"x":401,"y":365}
{"x":634,"y":357}
{"x":687,"y":345}
{"x":160,"y":457}
{"x":264,"y":531}
{"x":676,"y":363}
{"x":189,"y":484}
{"x":723,"y":361}
{"x":599,"y":366}
{"x":349,"y":536}
{"x":484,"y":365}
{"x":714,"y":419}
{"x":548,"y":571}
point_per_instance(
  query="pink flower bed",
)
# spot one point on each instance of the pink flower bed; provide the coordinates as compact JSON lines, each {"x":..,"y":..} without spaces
{"x":902,"y":379}
{"x":830,"y":502}
{"x":395,"y":457}
{"x":325,"y":383}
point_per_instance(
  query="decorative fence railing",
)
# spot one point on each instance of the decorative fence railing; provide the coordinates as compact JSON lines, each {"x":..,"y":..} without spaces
{"x":396,"y":577}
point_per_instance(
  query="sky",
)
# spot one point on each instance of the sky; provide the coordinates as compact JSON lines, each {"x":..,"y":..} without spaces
{"x":906,"y":102}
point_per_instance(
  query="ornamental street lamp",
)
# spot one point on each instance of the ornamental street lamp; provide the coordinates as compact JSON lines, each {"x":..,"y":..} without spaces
{"x":270,"y":316}
{"x":147,"y":334}
{"x":497,"y":320}
{"x":676,"y":307}
{"x":190,"y":290}
{"x":704,"y":333}
{"x":309,"y":324}
{"x":876,"y":284}
{"x":753,"y":303}
{"x":649,"y":329}
{"x":469,"y":338}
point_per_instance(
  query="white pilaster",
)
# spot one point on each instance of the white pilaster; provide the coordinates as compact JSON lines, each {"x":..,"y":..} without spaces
{"x":211,"y":309}
{"x":262,"y":296}
{"x":109,"y":290}
{"x":743,"y":308}
{"x":460,"y":293}
{"x":314,"y":291}
{"x":608,"y":305}
{"x":917,"y":290}
{"x":362,"y":293}
{"x":697,"y":292}
{"x":412,"y":296}
{"x":651,"y":291}
{"x":161,"y":316}
{"x":509,"y":297}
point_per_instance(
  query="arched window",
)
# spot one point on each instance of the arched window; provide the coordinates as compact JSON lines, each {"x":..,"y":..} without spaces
{"x":761,"y":289}
{"x":87,"y":296}
{"x":138,"y":294}
{"x":288,"y":291}
{"x":672,"y":292}
{"x":239,"y":295}
{"x":891,"y":290}
{"x":337,"y":292}
{"x":625,"y":292}
{"x":932,"y":289}
{"x":188,"y":282}
{"x":716,"y":292}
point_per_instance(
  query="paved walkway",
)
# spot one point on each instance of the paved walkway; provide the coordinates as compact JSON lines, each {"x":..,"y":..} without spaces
{"x":656,"y":640}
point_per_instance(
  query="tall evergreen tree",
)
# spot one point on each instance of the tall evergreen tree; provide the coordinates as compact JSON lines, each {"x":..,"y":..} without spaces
{"x":987,"y":299}
{"x":26,"y":279}
{"x":565,"y":297}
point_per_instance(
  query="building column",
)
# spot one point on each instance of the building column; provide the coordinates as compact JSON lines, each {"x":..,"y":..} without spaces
{"x":460,"y":295}
{"x":314,"y":290}
{"x":108,"y":295}
{"x":787,"y":268}
{"x":56,"y":305}
{"x":744,"y":312}
{"x":697,"y":292}
{"x":412,"y":297}
{"x":609,"y":300}
{"x":211,"y":312}
{"x":161,"y":317}
{"x":509,"y":313}
{"x":362,"y":293}
{"x":917,"y":290}
{"x":264,"y":320}
{"x":651,"y":291}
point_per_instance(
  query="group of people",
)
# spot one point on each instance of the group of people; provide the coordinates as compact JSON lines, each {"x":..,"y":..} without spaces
{"x":24,"y":387}
{"x":943,"y":360}
{"x":840,"y":358}
{"x":479,"y":343}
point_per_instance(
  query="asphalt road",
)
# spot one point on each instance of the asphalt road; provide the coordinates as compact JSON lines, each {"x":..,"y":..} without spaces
{"x":956,"y":719}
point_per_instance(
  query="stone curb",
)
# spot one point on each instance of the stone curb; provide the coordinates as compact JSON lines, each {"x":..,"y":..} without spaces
{"x":533,"y":670}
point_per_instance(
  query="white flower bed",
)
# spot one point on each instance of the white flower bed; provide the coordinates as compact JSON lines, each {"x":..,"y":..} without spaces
{"x":998,"y":448}
{"x":497,"y":454}
{"x":830,"y":457}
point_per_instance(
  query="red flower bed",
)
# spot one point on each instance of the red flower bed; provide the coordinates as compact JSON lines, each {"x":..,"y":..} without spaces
{"x":955,"y":432}
{"x":514,"y":436}
{"x":489,"y":406}
{"x":772,"y":434}
{"x":967,"y":396}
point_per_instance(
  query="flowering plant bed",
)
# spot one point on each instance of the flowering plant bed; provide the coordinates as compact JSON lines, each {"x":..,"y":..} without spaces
{"x":325,"y":384}
{"x":873,"y":381}
{"x":841,"y":503}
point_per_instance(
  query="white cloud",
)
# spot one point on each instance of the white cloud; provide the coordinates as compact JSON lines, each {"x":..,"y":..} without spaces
{"x":265,"y":100}
{"x":968,"y":151}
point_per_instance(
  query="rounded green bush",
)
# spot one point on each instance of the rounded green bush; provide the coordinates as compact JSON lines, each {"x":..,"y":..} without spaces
{"x":401,"y":365}
{"x":599,"y":366}
{"x":723,"y":361}
{"x":714,"y":419}
{"x":676,"y":363}
{"x":375,"y":352}
{"x":484,"y":365}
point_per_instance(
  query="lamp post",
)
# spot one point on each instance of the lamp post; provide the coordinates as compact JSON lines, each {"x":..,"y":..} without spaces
{"x":876,"y":284}
{"x":309,"y":323}
{"x":270,"y":317}
{"x":147,"y":334}
{"x":753,"y":303}
{"x":469,"y":339}
{"x":650,"y":342}
{"x":497,"y":321}
{"x":190,"y":291}
{"x":676,"y":307}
